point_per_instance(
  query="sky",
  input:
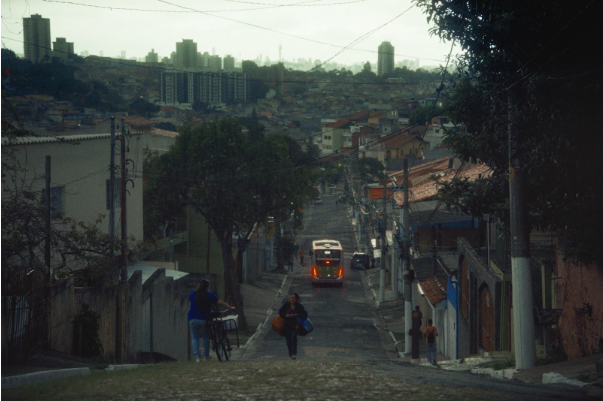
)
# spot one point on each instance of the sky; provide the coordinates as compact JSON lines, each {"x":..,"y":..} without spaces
{"x":345,"y":31}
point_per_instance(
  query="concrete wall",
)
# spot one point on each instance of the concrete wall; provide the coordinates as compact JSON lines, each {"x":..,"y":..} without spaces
{"x":481,"y":277}
{"x":156,"y":315}
{"x":580,"y":296}
{"x":61,"y":316}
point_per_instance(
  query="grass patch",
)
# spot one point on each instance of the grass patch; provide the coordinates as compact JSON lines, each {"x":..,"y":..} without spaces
{"x":399,"y":335}
{"x":499,"y":364}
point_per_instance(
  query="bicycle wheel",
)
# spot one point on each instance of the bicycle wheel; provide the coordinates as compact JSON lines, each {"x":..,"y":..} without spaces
{"x":218,"y":344}
{"x":215,"y":341}
{"x":226,"y":349}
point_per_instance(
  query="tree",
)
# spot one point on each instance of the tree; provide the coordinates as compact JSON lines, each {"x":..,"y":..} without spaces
{"x":142,"y":107}
{"x":235,"y":180}
{"x":78,"y":249}
{"x":423,"y":115}
{"x":532,"y":56}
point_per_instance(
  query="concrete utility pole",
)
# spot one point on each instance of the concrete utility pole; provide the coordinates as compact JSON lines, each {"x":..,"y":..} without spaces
{"x":121,"y":294}
{"x":523,"y":302}
{"x":383,"y":240}
{"x":47,"y":219}
{"x":406,"y":275}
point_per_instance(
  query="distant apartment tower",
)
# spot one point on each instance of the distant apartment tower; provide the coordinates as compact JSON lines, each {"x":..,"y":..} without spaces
{"x":229,"y":63}
{"x":62,"y":49}
{"x":204,"y":60}
{"x":207,"y":87}
{"x":385,"y":63}
{"x":215,"y":63}
{"x":186,"y":54}
{"x":152,"y":57}
{"x":36,"y":38}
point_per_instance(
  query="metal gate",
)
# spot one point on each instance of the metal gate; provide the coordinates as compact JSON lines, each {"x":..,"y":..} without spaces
{"x":27,"y":326}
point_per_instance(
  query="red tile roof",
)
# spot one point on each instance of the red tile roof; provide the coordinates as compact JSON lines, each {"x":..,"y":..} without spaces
{"x":434,"y":289}
{"x":340,"y":124}
{"x":422,"y":186}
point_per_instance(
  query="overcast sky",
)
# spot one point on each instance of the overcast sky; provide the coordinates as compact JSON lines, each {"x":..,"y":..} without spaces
{"x":316,"y":29}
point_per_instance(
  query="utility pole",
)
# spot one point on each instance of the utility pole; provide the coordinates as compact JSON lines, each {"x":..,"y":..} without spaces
{"x":406,"y":275}
{"x":112,"y":192}
{"x":523,"y":318}
{"x":47,"y":219}
{"x":124,"y":225}
{"x":383,"y":240}
{"x":121,"y":293}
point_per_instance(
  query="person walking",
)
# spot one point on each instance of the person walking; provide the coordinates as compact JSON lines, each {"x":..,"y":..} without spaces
{"x":431,"y":332}
{"x":302,"y":253}
{"x":290,"y":263}
{"x":290,"y":311}
{"x":199,"y":313}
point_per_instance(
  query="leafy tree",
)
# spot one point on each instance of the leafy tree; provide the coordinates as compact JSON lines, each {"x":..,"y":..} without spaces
{"x":57,"y":79}
{"x":370,"y":169}
{"x":423,"y":115}
{"x":531,"y":58}
{"x":168,"y":126}
{"x":142,"y":107}
{"x":78,"y":249}
{"x":367,"y":74}
{"x":235,"y":180}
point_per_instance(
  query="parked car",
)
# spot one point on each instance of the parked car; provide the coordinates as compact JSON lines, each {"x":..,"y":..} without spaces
{"x":318,"y":201}
{"x":360,"y":261}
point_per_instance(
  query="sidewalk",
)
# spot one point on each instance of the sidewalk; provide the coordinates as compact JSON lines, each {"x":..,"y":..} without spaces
{"x":259,"y":298}
{"x":578,"y":372}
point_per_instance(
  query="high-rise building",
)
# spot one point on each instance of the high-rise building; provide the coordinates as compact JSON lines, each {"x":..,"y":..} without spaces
{"x":186,"y":54}
{"x":211,"y":88}
{"x":385,"y":63}
{"x":62,"y":49}
{"x":36,"y":38}
{"x":229,"y":63}
{"x":215,"y":63}
{"x":152,"y":57}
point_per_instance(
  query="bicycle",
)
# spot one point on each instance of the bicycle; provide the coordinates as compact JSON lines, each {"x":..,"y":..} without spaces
{"x":218,"y":328}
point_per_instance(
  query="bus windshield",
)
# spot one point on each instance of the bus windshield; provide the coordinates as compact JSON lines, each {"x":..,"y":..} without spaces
{"x":327,"y":257}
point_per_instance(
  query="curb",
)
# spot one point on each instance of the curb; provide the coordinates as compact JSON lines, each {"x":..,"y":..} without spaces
{"x":268,"y":313}
{"x":40,"y":377}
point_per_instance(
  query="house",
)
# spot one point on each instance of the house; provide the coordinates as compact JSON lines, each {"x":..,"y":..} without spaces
{"x":79,"y":170}
{"x":333,"y":136}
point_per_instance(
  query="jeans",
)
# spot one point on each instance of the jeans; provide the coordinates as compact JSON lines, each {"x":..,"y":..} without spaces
{"x":432,"y":352}
{"x":198,"y":328}
{"x":291,"y":337}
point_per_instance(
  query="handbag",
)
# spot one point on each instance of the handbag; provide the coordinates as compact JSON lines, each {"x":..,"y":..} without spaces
{"x":304,"y":326}
{"x":278,"y":325}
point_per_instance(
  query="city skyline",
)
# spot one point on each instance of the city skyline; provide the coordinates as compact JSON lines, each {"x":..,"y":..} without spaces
{"x":317,"y":31}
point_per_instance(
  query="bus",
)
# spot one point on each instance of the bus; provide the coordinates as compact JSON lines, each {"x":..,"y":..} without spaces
{"x":327,"y":262}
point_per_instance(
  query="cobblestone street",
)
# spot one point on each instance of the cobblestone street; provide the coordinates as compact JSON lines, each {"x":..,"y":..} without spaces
{"x":287,"y":380}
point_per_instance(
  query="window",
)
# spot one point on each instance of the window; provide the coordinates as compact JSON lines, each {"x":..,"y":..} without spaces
{"x":116,"y":194}
{"x":57,"y":200}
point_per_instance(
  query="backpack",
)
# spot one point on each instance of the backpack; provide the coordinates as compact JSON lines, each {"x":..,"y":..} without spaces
{"x":430,"y":337}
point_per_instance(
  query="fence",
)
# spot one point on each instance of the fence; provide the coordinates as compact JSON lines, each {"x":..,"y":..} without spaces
{"x":26,"y":327}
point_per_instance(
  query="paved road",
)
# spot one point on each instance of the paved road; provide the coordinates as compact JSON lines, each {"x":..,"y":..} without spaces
{"x":347,"y":357}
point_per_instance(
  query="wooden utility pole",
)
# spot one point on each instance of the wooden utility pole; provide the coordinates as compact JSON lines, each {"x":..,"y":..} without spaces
{"x":112,"y":192}
{"x":523,"y":302}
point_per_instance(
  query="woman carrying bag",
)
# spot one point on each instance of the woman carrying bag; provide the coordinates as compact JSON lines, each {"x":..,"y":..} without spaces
{"x":291,"y":311}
